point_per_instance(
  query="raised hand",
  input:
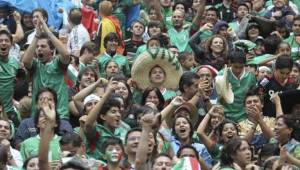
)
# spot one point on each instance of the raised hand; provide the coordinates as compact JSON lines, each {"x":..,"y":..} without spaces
{"x":148,"y":120}
{"x":207,"y":26}
{"x":177,"y":101}
{"x":275,"y":98}
{"x":17,"y":16}
{"x":49,"y":111}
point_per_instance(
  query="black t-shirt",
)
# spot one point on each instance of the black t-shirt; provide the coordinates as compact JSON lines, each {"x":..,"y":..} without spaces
{"x":269,"y":85}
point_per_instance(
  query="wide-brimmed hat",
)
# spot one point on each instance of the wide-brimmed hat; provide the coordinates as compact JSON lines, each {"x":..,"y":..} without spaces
{"x":192,"y":110}
{"x":223,"y":87}
{"x":156,"y":57}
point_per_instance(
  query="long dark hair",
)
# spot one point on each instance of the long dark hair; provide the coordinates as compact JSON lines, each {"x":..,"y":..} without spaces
{"x":190,"y":124}
{"x":230,"y":149}
{"x":221,"y":127}
{"x":159,"y":95}
{"x":292,"y":121}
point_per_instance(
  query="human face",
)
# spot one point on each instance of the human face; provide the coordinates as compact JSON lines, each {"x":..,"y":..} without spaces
{"x":284,"y":49}
{"x":188,"y":152}
{"x":237,"y":69}
{"x":151,"y":143}
{"x":137,"y":29}
{"x":154,"y":30}
{"x":180,"y":7}
{"x":278,"y":3}
{"x":165,"y":3}
{"x":177,"y":19}
{"x":253,"y":33}
{"x":4,"y":130}
{"x":112,"y":68}
{"x":257,"y":4}
{"x":182,"y":128}
{"x":191,"y":90}
{"x":72,"y":150}
{"x":33,"y":164}
{"x":157,"y":75}
{"x":205,"y":75}
{"x":281,"y":131}
{"x":229,"y":131}
{"x":223,"y":31}
{"x":90,"y":105}
{"x":211,"y":17}
{"x":112,"y":118}
{"x":133,"y":142}
{"x":152,"y":15}
{"x":43,"y":51}
{"x":243,"y":155}
{"x":175,"y":51}
{"x":162,"y":163}
{"x":111,"y":46}
{"x":217,"y":45}
{"x":122,"y":90}
{"x":262,"y":74}
{"x":87,"y":79}
{"x":294,"y":75}
{"x":282,"y":74}
{"x":153,"y":98}
{"x":189,"y":62}
{"x":5,"y":45}
{"x":114,"y":153}
{"x":45,"y":97}
{"x":153,"y":44}
{"x":35,"y":18}
{"x":296,"y":27}
{"x":253,"y":102}
{"x":27,"y":20}
{"x":242,"y":11}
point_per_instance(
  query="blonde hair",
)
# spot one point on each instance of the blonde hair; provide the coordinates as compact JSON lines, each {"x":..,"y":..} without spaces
{"x":105,"y":8}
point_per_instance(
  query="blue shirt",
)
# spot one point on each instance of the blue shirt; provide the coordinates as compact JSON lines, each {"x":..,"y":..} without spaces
{"x":200,"y":148}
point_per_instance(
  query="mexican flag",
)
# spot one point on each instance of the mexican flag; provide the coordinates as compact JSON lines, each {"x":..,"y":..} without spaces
{"x":187,"y":163}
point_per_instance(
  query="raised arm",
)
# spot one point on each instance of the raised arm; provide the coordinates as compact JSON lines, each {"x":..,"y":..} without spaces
{"x":19,"y":35}
{"x":143,"y":147}
{"x":46,"y":135}
{"x":199,"y":16}
{"x":201,"y":95}
{"x":276,"y":100}
{"x":62,"y":50}
{"x":92,"y":116}
{"x":80,"y":96}
{"x":201,"y":131}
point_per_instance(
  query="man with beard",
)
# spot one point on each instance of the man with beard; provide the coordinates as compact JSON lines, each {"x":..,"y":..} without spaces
{"x":8,"y":70}
{"x":47,"y":70}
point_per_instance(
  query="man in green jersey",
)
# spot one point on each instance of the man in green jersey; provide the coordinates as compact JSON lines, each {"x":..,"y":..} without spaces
{"x":8,"y":71}
{"x":48,"y":69}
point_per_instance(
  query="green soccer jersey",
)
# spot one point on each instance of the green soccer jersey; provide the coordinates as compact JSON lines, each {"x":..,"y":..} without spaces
{"x":8,"y":71}
{"x":51,"y":75}
{"x":122,"y":61}
{"x":180,"y":39}
{"x":236,"y":110}
{"x":295,"y":47}
{"x":30,"y":147}
{"x":101,"y":133}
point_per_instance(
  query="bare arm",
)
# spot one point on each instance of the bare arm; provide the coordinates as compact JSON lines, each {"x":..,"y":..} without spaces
{"x":79,"y":97}
{"x":276,"y":100}
{"x":250,"y":133}
{"x":92,"y":116}
{"x":200,"y":11}
{"x":201,"y":132}
{"x":62,"y":50}
{"x":19,"y":35}
{"x":30,"y":52}
{"x":143,"y":147}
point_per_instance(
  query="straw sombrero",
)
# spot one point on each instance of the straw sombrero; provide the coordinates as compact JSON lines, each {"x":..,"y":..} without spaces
{"x":223,"y":87}
{"x":156,"y":57}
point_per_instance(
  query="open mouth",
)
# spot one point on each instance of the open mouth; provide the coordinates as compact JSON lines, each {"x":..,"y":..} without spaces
{"x":40,"y":56}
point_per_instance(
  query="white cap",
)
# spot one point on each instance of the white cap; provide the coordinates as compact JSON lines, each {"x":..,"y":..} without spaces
{"x":90,"y":98}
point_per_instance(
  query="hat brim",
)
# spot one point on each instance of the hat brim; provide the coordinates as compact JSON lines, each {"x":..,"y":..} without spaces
{"x":193,"y":114}
{"x":146,"y":61}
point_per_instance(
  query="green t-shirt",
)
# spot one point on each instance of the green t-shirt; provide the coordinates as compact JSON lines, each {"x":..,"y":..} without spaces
{"x":30,"y":147}
{"x":235,"y":26}
{"x":205,"y":35}
{"x":169,"y":94}
{"x":168,"y":12}
{"x":122,"y":62}
{"x":140,"y":50}
{"x":8,"y":71}
{"x":295,"y":47}
{"x":258,"y":59}
{"x":100,"y":134}
{"x":180,"y":39}
{"x":236,"y":111}
{"x":51,"y":75}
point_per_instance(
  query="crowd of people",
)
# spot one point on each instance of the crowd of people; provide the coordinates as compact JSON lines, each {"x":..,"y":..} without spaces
{"x":151,"y":85}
